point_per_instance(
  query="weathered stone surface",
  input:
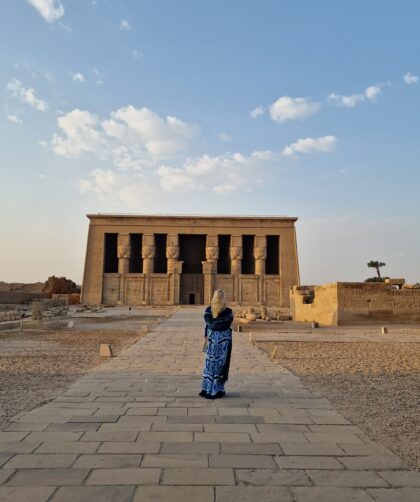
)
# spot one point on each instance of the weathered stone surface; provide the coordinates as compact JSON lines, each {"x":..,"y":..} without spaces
{"x":312,"y":462}
{"x":401,"y":478}
{"x":328,"y":494}
{"x":264,"y":477}
{"x":395,"y":494}
{"x":94,"y":493}
{"x":209,"y":476}
{"x":48,"y":477}
{"x":356,"y":479}
{"x":40,"y":460}
{"x":124,"y":477}
{"x":251,"y":494}
{"x":174,"y":494}
{"x":23,"y":494}
{"x":108,"y":460}
{"x":242,"y":461}
{"x":377,"y":463}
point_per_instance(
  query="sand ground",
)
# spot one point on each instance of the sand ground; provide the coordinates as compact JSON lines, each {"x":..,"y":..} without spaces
{"x":38,"y":364}
{"x":375,"y":385}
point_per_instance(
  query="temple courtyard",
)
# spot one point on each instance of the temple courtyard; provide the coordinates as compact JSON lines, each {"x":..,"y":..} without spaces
{"x":134,"y":428}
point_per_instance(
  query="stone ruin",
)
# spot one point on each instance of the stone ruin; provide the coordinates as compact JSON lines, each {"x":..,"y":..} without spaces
{"x":60,"y":285}
{"x":352,"y":303}
{"x":263,"y":314}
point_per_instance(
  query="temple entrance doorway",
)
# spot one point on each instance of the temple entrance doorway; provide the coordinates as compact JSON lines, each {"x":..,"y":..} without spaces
{"x":192,"y":251}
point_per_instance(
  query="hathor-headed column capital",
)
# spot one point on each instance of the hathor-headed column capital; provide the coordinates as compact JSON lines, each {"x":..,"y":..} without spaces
{"x":212,"y":253}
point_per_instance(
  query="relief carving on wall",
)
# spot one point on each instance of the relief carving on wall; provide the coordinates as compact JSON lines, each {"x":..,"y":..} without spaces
{"x":148,"y":252}
{"x":172,"y":252}
{"x":212,"y":253}
{"x":124,"y":251}
{"x":236,"y":253}
{"x":260,"y":253}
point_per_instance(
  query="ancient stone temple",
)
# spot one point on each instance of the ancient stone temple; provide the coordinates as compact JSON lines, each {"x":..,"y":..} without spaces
{"x":171,"y":260}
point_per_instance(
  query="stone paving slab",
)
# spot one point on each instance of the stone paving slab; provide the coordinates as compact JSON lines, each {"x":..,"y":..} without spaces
{"x":135,"y":430}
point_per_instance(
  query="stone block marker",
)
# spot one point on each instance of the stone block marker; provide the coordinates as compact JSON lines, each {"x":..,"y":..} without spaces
{"x":135,"y":430}
{"x":105,"y":350}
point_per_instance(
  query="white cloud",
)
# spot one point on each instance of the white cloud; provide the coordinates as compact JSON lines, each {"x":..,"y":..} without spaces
{"x":222,"y":174}
{"x":80,"y":132}
{"x":224,"y":136}
{"x":50,"y":10}
{"x":370,"y":94}
{"x":410,"y":79}
{"x":287,"y":108}
{"x":14,"y":118}
{"x":323,"y":144}
{"x":124,"y":25}
{"x":257,"y":112}
{"x":131,"y":137}
{"x":78,"y":77}
{"x":17,"y":90}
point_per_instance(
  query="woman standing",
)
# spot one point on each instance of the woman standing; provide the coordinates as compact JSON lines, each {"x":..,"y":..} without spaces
{"x":218,"y":335}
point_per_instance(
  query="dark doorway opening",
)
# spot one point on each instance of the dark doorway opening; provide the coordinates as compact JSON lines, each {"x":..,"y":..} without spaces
{"x":223,"y":263}
{"x":111,"y":256}
{"x":248,"y":262}
{"x":272,"y":262}
{"x":160,"y":265}
{"x":136,"y":260}
{"x":192,"y":251}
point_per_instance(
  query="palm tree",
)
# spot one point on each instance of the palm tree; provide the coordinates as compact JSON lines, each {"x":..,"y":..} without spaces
{"x":377,"y":265}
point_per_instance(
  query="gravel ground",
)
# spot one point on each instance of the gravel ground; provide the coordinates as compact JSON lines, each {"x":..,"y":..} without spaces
{"x":374,"y":385}
{"x":35,"y":366}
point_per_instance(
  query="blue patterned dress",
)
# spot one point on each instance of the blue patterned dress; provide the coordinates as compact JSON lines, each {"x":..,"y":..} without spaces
{"x":219,"y":348}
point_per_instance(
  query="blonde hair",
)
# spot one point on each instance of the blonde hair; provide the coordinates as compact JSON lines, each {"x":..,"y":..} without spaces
{"x":218,"y":303}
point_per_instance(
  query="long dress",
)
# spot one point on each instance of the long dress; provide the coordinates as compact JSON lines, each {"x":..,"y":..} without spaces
{"x":219,"y":349}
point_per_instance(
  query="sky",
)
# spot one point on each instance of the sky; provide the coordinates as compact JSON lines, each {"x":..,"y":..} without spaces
{"x":237,"y":107}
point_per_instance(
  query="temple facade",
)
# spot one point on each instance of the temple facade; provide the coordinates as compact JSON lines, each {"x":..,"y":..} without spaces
{"x":172,"y":260}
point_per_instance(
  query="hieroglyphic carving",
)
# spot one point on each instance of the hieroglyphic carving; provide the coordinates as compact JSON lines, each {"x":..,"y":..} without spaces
{"x":148,"y":252}
{"x":124,"y":251}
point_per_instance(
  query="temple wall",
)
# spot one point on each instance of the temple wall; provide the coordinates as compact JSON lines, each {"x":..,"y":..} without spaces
{"x":323,"y":309}
{"x":120,"y":286}
{"x":352,"y":303}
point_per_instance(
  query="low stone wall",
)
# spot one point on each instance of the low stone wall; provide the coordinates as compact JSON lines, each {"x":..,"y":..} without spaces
{"x":349,"y":303}
{"x":10,"y":297}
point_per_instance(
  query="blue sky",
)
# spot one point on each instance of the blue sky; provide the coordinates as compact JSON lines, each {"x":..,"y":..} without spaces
{"x":298,"y":108}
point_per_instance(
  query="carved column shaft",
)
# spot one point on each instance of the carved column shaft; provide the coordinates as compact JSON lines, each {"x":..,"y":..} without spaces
{"x":236,"y":255}
{"x":210,"y":267}
{"x":123,"y":253}
{"x":174,"y":268}
{"x":260,"y":255}
{"x":148,"y":254}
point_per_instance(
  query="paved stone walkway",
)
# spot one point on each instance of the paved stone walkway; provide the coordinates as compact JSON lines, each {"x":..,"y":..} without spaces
{"x":136,"y":430}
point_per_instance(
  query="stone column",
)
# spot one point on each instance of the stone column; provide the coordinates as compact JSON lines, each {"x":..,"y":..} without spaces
{"x":148,"y":254}
{"x":124,"y":253}
{"x":236,"y":265}
{"x":260,"y":255}
{"x":210,"y":267}
{"x":174,"y":268}
{"x":289,"y":267}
